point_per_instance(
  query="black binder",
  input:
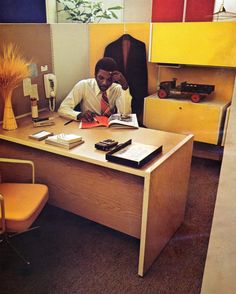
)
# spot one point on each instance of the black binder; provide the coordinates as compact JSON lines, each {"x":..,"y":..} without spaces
{"x":133,"y":155}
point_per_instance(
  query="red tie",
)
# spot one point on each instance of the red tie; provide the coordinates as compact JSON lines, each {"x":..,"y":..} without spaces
{"x":105,"y":108}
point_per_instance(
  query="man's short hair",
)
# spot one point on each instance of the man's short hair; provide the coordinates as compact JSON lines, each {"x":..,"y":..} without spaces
{"x":107,"y":64}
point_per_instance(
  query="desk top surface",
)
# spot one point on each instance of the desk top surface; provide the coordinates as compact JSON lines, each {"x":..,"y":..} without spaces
{"x":86,"y":152}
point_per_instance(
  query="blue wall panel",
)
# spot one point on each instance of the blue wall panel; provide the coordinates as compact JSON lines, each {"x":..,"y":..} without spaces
{"x":23,"y":11}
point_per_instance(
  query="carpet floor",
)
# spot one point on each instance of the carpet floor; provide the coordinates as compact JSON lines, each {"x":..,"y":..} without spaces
{"x":70,"y":254}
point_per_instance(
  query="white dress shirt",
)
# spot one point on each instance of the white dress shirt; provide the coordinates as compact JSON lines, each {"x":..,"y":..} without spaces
{"x":87,"y":93}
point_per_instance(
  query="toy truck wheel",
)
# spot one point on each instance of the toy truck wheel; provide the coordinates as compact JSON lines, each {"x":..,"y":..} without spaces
{"x":195,"y":98}
{"x":162,"y":93}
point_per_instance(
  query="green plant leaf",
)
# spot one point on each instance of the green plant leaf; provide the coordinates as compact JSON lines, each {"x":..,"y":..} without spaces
{"x":66,"y":8}
{"x":114,"y":15}
{"x":115,"y":8}
{"x":97,"y":11}
{"x":106,"y":16}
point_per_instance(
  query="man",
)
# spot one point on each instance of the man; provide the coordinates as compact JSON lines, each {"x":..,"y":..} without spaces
{"x":105,"y":94}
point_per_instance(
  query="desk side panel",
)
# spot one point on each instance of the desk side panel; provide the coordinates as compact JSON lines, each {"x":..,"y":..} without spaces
{"x":106,"y":196}
{"x":164,"y":204}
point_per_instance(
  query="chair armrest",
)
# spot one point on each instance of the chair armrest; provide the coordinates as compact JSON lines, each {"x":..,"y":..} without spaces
{"x":2,"y":207}
{"x":20,"y":161}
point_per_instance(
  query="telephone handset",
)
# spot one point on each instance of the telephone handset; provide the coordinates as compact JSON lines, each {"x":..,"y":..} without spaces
{"x":50,"y":85}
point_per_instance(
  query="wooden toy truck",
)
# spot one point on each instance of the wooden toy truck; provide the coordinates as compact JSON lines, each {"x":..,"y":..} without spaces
{"x":196,"y":92}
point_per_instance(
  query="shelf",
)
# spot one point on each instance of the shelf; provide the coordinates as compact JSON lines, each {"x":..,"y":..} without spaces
{"x":204,"y":119}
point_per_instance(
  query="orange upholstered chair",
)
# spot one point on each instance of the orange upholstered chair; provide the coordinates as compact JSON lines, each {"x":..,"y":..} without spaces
{"x":20,"y":204}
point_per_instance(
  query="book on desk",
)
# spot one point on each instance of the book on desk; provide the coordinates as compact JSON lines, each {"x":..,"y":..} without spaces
{"x":66,"y":141}
{"x":114,"y":121}
{"x":41,"y":135}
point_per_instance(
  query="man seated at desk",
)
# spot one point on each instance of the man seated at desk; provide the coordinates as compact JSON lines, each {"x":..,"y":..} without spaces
{"x":105,"y":94}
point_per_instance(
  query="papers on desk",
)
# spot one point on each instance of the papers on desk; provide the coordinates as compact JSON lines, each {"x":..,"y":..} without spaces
{"x":133,"y":154}
{"x":39,"y":136}
{"x":66,"y":141}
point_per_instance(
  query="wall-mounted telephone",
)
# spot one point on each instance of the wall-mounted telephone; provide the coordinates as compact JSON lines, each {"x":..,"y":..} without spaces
{"x":50,"y":85}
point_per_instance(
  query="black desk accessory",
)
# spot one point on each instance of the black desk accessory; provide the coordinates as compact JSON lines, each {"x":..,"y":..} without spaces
{"x":133,"y":155}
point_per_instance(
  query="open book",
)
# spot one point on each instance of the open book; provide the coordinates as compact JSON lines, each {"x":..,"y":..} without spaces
{"x":114,"y":121}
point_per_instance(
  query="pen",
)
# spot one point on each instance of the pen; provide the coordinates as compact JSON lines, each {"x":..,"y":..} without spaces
{"x":68,"y":122}
{"x":96,"y":120}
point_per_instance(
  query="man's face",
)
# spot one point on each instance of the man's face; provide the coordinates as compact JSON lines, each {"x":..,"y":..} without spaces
{"x":104,"y":79}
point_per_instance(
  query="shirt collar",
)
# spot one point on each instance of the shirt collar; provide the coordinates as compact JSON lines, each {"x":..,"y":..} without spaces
{"x":97,"y":90}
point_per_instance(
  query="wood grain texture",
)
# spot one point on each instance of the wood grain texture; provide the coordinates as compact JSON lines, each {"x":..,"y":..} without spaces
{"x":86,"y":152}
{"x":108,"y":197}
{"x":164,"y":204}
{"x":146,"y":203}
{"x":35,"y":49}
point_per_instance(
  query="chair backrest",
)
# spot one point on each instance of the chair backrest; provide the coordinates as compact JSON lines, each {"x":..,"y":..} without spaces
{"x":20,"y":203}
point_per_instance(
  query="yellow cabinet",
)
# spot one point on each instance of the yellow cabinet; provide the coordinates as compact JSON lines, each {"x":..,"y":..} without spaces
{"x":194,"y":43}
{"x":204,"y":120}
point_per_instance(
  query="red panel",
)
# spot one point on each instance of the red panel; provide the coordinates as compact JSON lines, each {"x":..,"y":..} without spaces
{"x":167,"y":10}
{"x":200,"y":10}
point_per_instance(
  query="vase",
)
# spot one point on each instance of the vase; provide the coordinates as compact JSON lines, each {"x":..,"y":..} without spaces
{"x":9,"y":121}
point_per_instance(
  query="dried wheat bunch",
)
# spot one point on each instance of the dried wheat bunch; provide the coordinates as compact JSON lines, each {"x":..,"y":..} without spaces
{"x":13,"y":69}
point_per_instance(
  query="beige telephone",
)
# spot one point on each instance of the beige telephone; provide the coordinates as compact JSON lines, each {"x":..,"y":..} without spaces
{"x":50,"y":85}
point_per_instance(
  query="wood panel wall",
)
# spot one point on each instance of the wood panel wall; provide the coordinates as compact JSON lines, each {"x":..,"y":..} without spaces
{"x":34,"y":42}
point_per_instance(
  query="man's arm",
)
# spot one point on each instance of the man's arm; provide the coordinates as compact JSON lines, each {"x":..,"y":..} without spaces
{"x":123,"y":103}
{"x":67,"y":106}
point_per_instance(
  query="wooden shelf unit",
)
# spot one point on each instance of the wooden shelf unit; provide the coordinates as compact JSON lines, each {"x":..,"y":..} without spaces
{"x":204,"y":120}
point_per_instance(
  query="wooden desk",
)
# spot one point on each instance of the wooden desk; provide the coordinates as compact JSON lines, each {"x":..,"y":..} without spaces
{"x":146,"y":203}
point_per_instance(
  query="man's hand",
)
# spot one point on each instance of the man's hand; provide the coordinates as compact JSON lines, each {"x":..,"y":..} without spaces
{"x":87,"y":115}
{"x":117,"y":77}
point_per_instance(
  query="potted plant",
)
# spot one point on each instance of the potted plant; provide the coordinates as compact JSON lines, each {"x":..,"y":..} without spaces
{"x":87,"y":11}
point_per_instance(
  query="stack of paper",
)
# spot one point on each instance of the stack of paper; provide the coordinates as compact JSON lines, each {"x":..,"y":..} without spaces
{"x":66,"y":141}
{"x":39,"y":136}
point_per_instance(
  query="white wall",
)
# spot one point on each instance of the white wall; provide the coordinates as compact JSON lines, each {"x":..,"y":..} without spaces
{"x":230,"y":6}
{"x":119,"y":13}
{"x":70,"y":56}
{"x":137,"y":10}
{"x":51,"y":9}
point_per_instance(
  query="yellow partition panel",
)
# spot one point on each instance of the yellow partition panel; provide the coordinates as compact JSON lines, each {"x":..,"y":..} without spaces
{"x":101,"y":35}
{"x":203,"y":120}
{"x":194,"y":43}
